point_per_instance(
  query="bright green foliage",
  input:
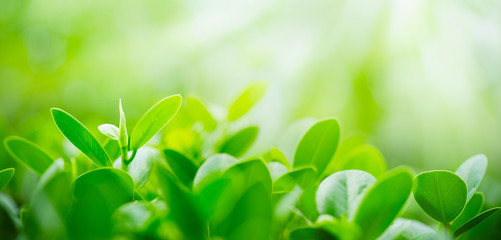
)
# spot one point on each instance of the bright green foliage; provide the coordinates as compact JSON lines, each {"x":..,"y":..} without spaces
{"x":441,"y":194}
{"x":237,"y":144}
{"x":383,"y":202}
{"x":474,"y":221}
{"x":194,"y":184}
{"x":80,"y":137}
{"x":366,"y":158}
{"x":197,"y":111}
{"x":5,"y":176}
{"x":98,"y":193}
{"x":472,"y":171}
{"x":472,"y":208}
{"x":303,"y":177}
{"x":182,"y":166}
{"x":28,"y":153}
{"x":247,"y":100}
{"x":318,"y":145}
{"x":154,"y":120}
{"x":341,"y":193}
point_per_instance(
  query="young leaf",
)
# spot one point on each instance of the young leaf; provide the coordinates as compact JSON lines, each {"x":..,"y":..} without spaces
{"x":383,"y":202}
{"x":441,"y":194}
{"x":80,"y":137}
{"x":240,"y":142}
{"x":340,"y":193}
{"x":154,"y":120}
{"x":366,"y":158}
{"x":109,"y":130}
{"x":213,"y":168}
{"x":123,"y":138}
{"x":28,"y":153}
{"x":318,"y":145}
{"x":5,"y":177}
{"x":182,"y":166}
{"x":304,"y":177}
{"x":475,"y":221}
{"x":275,"y":155}
{"x":472,"y":208}
{"x":247,"y":100}
{"x":197,"y":111}
{"x":472,"y":171}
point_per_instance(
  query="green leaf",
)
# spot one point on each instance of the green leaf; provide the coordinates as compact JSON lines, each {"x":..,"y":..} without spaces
{"x":134,"y":217}
{"x":318,"y":145}
{"x":366,"y":158}
{"x":184,"y":208}
{"x":154,"y":120}
{"x":383,"y":202}
{"x":97,"y":194}
{"x":304,"y":177}
{"x":182,"y":166}
{"x":475,"y":221}
{"x":311,"y":233}
{"x":112,"y":148}
{"x":28,"y":153}
{"x":441,"y":194}
{"x":197,"y":112}
{"x":140,"y":169}
{"x":80,"y":137}
{"x":5,"y":177}
{"x":247,"y":100}
{"x":341,"y":193}
{"x":407,"y":229}
{"x":213,"y":168}
{"x":472,"y":208}
{"x":123,"y":138}
{"x":237,"y":144}
{"x":472,"y":171}
{"x":109,"y":130}
{"x":275,"y":155}
{"x":276,"y":170}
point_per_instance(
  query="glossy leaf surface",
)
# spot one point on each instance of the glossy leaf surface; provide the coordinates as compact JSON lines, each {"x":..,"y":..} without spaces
{"x":441,"y":194}
{"x":318,"y":145}
{"x":109,"y":130}
{"x":472,"y":171}
{"x":80,"y":137}
{"x":154,"y":120}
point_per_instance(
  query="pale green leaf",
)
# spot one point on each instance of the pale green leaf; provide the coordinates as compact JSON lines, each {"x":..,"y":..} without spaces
{"x":472,"y":171}
{"x":109,"y":130}
{"x":237,"y":144}
{"x":28,"y":153}
{"x":247,"y":100}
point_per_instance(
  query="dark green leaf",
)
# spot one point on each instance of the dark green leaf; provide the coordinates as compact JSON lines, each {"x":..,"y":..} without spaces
{"x":472,"y":171}
{"x":240,"y":142}
{"x":154,"y":120}
{"x":310,"y":233}
{"x":109,"y":130}
{"x":80,"y":137}
{"x":341,"y":193}
{"x":366,"y":158}
{"x":247,"y":100}
{"x":475,"y":221}
{"x":472,"y":208}
{"x":5,"y":177}
{"x":182,"y":166}
{"x":441,"y":194}
{"x":28,"y":153}
{"x":318,"y":145}
{"x":383,"y":202}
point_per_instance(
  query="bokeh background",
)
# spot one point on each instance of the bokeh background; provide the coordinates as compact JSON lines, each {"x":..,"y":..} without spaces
{"x":418,"y":79}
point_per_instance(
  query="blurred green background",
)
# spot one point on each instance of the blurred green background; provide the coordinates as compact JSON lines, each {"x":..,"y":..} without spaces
{"x":418,"y":79}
